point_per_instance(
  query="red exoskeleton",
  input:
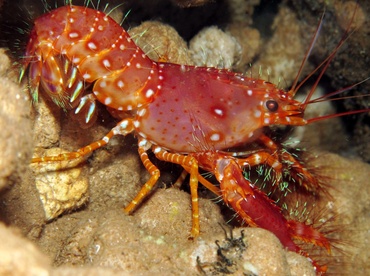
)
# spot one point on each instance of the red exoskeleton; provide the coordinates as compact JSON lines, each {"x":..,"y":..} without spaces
{"x":185,"y":115}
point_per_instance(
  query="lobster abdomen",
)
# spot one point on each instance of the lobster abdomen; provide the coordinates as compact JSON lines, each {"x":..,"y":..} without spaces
{"x":101,"y":51}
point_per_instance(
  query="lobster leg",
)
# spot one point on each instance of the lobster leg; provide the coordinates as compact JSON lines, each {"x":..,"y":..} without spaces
{"x":180,"y":180}
{"x":124,"y":127}
{"x":297,"y":170}
{"x":301,"y":174}
{"x":190,"y":164}
{"x":262,"y":157}
{"x":201,"y":179}
{"x":144,"y":145}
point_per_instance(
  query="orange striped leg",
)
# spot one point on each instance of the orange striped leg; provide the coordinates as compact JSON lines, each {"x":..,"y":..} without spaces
{"x":262,"y":157}
{"x":144,"y":145}
{"x":201,"y":179}
{"x":180,"y":179}
{"x":299,"y":172}
{"x":209,"y":185}
{"x":124,"y":127}
{"x":273,"y":147}
{"x":268,"y":142}
{"x":190,"y":164}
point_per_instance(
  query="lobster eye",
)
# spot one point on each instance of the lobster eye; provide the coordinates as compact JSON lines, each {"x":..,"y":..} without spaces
{"x":272,"y":105}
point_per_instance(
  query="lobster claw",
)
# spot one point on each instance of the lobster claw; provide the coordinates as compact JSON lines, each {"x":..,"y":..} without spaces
{"x":258,"y":210}
{"x":252,"y":205}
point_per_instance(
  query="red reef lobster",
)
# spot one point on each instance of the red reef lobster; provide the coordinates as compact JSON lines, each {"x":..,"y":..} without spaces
{"x":186,"y":115}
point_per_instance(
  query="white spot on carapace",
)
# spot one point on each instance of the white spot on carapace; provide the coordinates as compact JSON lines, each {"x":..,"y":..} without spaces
{"x":215,"y":137}
{"x":128,"y":63}
{"x":76,"y":60}
{"x":160,"y":77}
{"x":149,"y":93}
{"x":136,"y":123}
{"x":100,"y":28}
{"x":129,"y":107}
{"x":92,"y":29}
{"x":106,"y":63}
{"x":120,"y":84}
{"x":266,"y":121}
{"x":71,"y":20}
{"x":105,"y":139}
{"x":257,"y":113}
{"x":159,"y":87}
{"x":138,"y":65}
{"x":218,"y":111}
{"x":86,"y":76}
{"x":107,"y":100}
{"x":92,"y":45}
{"x":103,"y":84}
{"x":122,"y":47}
{"x":249,"y":92}
{"x":73,"y":35}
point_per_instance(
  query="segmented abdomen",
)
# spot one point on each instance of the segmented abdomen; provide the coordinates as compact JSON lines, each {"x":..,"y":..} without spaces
{"x":72,"y":46}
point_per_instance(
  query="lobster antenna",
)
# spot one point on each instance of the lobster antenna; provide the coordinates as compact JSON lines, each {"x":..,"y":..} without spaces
{"x":325,"y":97}
{"x":325,"y":117}
{"x":294,"y":88}
{"x":327,"y":61}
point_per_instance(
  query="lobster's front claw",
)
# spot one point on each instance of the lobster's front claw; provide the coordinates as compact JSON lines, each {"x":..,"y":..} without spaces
{"x":251,"y":204}
{"x":255,"y":208}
